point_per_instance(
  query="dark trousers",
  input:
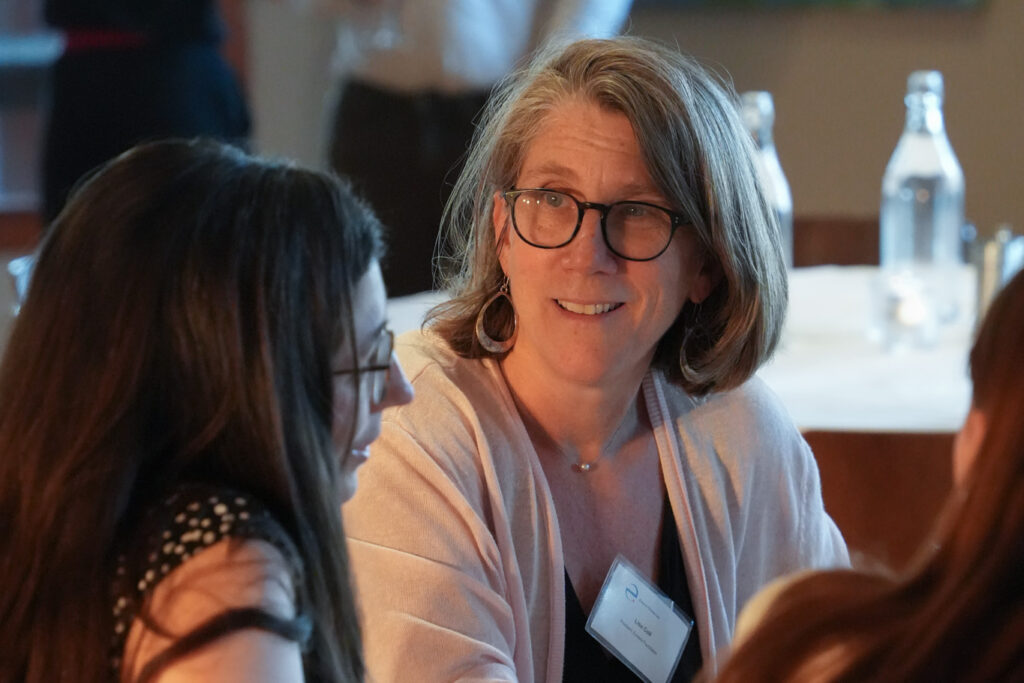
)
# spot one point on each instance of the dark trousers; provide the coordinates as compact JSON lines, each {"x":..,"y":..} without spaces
{"x":403,"y":154}
{"x":104,"y":101}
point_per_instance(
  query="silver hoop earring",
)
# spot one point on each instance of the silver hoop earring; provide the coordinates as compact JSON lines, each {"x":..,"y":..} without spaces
{"x":685,"y":369}
{"x":688,"y":373}
{"x":488,"y":342}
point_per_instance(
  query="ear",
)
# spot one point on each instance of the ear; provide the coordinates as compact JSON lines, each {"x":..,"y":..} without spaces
{"x":707,"y":278}
{"x":501,"y":222}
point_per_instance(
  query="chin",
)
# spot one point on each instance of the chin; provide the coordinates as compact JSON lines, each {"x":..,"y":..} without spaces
{"x":350,"y":463}
{"x":587,"y":368}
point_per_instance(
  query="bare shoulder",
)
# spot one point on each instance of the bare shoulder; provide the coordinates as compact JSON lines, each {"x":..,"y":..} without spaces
{"x":232,"y":573}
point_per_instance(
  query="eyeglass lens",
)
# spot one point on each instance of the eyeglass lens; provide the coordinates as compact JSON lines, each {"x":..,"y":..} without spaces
{"x":633,"y":230}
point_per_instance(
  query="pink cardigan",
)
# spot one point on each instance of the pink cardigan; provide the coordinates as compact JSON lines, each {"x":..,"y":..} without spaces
{"x":455,"y":545}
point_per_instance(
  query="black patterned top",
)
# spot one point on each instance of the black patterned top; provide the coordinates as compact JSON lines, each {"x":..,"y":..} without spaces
{"x":192,"y":518}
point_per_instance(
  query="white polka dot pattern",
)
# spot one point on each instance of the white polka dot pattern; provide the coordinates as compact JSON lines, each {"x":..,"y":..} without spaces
{"x":182,"y":525}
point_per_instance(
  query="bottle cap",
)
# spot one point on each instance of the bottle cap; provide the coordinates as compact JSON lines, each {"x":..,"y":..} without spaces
{"x":924,"y":83}
{"x":758,"y":109}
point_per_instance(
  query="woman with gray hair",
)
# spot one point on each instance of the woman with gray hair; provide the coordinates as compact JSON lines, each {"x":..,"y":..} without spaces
{"x":591,"y":455}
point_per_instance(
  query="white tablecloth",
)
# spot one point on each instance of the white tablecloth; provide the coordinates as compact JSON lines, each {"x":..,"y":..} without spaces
{"x":827,"y":372}
{"x":831,"y":376}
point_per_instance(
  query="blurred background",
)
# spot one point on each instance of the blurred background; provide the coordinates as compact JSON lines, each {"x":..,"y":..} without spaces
{"x":837,"y":73}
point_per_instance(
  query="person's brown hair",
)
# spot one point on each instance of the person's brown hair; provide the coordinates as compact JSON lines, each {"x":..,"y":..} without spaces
{"x":180,"y":326}
{"x":699,"y":155}
{"x":957,"y":614}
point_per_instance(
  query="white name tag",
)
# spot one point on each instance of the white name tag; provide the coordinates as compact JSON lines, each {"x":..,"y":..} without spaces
{"x":639,"y":624}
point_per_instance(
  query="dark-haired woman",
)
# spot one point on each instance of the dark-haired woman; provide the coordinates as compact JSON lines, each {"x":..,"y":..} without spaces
{"x":194,"y":376}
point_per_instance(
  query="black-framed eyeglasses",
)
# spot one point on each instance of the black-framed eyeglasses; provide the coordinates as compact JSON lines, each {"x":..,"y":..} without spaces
{"x":548,"y":219}
{"x":379,"y":368}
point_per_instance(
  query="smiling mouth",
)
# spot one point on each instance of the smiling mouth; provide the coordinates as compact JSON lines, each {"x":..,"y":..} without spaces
{"x":587,"y":309}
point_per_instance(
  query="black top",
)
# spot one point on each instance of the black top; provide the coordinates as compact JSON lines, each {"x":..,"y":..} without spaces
{"x":161,"y":21}
{"x":181,"y":525}
{"x":587,"y":661}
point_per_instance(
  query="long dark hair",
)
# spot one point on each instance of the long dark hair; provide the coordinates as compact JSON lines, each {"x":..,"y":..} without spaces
{"x":957,"y":614}
{"x":180,"y":325}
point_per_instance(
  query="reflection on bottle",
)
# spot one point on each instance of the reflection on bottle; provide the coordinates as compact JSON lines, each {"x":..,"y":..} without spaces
{"x":759,"y":116}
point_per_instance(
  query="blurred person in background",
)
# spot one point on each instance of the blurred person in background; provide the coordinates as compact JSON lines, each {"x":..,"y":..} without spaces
{"x":135,"y":71}
{"x":413,"y":77}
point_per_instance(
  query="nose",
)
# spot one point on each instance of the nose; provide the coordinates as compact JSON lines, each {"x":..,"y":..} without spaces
{"x":399,"y":391}
{"x":588,"y":251}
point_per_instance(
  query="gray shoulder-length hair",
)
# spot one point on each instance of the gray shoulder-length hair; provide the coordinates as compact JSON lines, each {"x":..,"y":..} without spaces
{"x":699,"y":155}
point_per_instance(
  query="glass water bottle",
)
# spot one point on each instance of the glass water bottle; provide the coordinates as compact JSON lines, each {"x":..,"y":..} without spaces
{"x":921,"y":218}
{"x":759,"y":116}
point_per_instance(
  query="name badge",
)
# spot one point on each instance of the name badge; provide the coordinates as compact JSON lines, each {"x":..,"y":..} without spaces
{"x":639,"y":624}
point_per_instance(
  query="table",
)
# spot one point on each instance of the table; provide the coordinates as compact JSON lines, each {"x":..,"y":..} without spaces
{"x":881,"y":424}
{"x":833,"y":377}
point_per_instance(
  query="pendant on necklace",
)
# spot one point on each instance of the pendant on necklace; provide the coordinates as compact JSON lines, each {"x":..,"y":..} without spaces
{"x":583,"y":467}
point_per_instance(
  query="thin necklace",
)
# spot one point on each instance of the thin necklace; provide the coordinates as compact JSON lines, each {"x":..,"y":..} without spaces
{"x":582,"y":467}
{"x":578,"y":466}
